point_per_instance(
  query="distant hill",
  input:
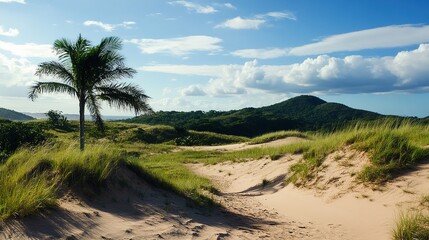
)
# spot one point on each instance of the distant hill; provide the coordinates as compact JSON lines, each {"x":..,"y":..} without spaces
{"x":300,"y":113}
{"x":13,"y":115}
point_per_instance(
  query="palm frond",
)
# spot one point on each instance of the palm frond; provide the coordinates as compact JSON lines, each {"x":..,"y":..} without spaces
{"x":125,"y":96}
{"x":57,"y":70}
{"x":114,"y":74}
{"x":110,"y":44}
{"x":94,"y":108}
{"x":63,"y":47}
{"x":50,"y":87}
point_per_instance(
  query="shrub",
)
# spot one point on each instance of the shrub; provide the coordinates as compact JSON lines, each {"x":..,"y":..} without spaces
{"x":16,"y":134}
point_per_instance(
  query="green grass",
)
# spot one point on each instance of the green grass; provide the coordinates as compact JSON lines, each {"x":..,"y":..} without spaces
{"x":30,"y":178}
{"x":276,"y":136}
{"x":174,"y":176}
{"x":392,"y":147}
{"x":411,"y":226}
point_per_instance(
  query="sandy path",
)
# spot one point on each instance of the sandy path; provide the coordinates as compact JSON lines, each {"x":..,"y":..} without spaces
{"x":334,"y":204}
{"x":242,"y":146}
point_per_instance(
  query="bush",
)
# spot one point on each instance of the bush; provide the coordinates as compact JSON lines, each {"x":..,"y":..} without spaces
{"x":16,"y":134}
{"x":57,"y":120}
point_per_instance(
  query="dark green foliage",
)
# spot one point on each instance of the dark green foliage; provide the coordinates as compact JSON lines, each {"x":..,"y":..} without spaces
{"x":16,"y":134}
{"x":57,"y":120}
{"x":12,"y":115}
{"x":304,"y":113}
{"x":179,"y":136}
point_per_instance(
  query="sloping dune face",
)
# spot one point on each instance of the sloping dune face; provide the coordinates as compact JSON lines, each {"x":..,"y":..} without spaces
{"x":333,"y":203}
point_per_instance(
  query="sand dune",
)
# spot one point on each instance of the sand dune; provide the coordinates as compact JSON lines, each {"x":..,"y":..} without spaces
{"x":256,"y":204}
{"x":334,"y":203}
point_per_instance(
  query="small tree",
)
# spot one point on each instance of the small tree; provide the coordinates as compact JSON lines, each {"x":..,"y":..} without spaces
{"x":57,"y":119}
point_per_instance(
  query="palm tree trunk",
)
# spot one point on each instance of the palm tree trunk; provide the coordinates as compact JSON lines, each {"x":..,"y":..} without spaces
{"x":82,"y":124}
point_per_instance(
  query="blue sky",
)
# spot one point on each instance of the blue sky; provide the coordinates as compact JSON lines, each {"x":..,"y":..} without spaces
{"x":222,"y":55}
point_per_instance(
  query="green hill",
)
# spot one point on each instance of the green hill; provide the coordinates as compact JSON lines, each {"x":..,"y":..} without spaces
{"x":300,"y":113}
{"x":13,"y":115}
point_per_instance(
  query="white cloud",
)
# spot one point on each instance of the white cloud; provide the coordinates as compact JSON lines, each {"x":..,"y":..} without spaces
{"x":11,"y":32}
{"x":10,"y":1}
{"x":261,"y":53}
{"x":193,"y":90}
{"x":127,"y":24}
{"x":107,"y":26}
{"x":279,"y":15}
{"x":229,"y":5}
{"x":242,"y":23}
{"x":28,"y":49}
{"x":178,"y":46}
{"x":255,"y":22}
{"x":16,"y":71}
{"x":405,"y":72}
{"x":195,"y":7}
{"x":382,"y":37}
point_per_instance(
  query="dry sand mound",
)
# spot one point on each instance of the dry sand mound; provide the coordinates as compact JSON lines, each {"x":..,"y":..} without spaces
{"x":333,"y":203}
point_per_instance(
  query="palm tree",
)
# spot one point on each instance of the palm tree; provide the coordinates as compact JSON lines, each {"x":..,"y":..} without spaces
{"x":90,"y":74}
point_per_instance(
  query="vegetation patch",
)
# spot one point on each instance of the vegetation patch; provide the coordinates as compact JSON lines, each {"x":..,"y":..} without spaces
{"x":392,"y":147}
{"x":174,"y":176}
{"x":16,"y":134}
{"x":276,"y":136}
{"x":411,"y":226}
{"x":30,"y":178}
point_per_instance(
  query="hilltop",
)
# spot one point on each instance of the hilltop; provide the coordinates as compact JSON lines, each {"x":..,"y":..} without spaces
{"x":13,"y":115}
{"x":302,"y":113}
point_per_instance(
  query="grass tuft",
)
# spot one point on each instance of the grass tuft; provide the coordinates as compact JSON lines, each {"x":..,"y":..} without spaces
{"x":30,"y":178}
{"x":411,"y":226}
{"x":276,"y":136}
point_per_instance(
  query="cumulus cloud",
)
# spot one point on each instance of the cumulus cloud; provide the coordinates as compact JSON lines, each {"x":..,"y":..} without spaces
{"x":11,"y":1}
{"x":195,"y":7}
{"x":242,"y":23}
{"x":16,"y":71}
{"x":382,"y":37}
{"x":28,"y":49}
{"x":107,"y":26}
{"x":178,"y":46}
{"x":407,"y":71}
{"x":193,"y":90}
{"x":11,"y":32}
